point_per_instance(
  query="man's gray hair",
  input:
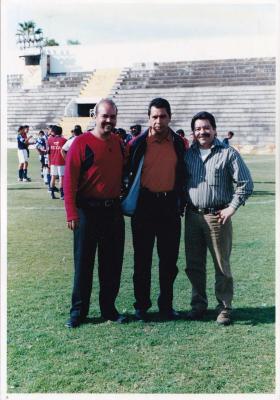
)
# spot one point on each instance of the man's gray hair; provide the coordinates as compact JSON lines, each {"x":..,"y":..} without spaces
{"x":105,"y":100}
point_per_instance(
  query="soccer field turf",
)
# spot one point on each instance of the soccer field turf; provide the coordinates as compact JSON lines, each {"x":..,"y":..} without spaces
{"x":154,"y":357}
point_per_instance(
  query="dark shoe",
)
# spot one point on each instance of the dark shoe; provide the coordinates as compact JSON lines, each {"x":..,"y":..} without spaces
{"x":224,"y":317}
{"x":195,"y":315}
{"x":73,"y":323}
{"x":55,"y":189}
{"x":141,"y":315}
{"x":170,"y":315}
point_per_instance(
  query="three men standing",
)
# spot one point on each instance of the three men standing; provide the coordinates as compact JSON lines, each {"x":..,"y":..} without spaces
{"x":213,"y":169}
{"x":211,"y":178}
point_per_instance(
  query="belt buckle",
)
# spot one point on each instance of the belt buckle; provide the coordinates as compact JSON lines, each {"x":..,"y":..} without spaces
{"x":108,"y":203}
{"x":201,"y":210}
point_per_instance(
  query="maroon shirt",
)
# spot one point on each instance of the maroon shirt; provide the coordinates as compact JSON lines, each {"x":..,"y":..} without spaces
{"x":93,"y":170}
{"x":55,"y":144}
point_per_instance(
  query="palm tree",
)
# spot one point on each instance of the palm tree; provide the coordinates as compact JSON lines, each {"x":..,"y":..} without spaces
{"x":28,"y":35}
{"x":50,"y":42}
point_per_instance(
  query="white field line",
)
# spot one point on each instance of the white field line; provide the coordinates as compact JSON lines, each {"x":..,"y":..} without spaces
{"x":36,"y":208}
{"x":25,"y":183}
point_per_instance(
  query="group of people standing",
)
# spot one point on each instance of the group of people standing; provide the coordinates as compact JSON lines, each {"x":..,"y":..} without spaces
{"x":207,"y":183}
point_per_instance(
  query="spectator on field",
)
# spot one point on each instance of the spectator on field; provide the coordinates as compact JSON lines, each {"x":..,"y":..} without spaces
{"x":77,"y":131}
{"x":218,"y":183}
{"x":125,"y":137}
{"x":25,"y":135}
{"x":226,"y":140}
{"x":42,"y":148}
{"x":181,"y":133}
{"x":22,"y":144}
{"x":93,"y":178}
{"x":56,"y":161}
{"x":135,"y":130}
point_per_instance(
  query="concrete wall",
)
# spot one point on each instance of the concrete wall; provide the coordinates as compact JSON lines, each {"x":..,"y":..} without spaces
{"x":117,"y":55}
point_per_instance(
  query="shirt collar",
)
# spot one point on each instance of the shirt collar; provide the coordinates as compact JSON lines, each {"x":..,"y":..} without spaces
{"x":154,"y":139}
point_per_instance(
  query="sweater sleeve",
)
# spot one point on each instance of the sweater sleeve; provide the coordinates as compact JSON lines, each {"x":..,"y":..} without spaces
{"x":71,"y":180}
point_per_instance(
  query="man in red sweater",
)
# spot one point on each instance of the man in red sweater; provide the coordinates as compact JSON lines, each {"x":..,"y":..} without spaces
{"x":92,"y":186}
{"x":56,"y":161}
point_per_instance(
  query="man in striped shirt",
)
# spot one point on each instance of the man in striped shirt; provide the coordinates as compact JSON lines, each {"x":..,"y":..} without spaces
{"x":218,"y":182}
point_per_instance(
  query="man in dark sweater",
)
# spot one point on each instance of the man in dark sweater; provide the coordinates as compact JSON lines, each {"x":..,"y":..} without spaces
{"x":160,"y":204}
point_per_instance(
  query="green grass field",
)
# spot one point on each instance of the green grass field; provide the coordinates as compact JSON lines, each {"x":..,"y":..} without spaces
{"x":156,"y":357}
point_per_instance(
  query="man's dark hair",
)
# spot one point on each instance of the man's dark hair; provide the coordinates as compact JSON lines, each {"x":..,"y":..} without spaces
{"x":159,"y":102}
{"x":26,"y":126}
{"x":121,"y":132}
{"x":231,"y":133}
{"x":21,"y":127}
{"x":135,"y":129}
{"x":108,"y":101}
{"x":204,"y":115}
{"x":77,"y":131}
{"x":57,"y":130}
{"x":180,"y":132}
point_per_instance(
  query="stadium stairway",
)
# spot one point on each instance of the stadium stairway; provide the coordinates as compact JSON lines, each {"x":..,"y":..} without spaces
{"x":96,"y":88}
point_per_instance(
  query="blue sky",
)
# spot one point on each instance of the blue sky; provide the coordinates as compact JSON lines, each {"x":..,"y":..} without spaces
{"x":95,"y":22}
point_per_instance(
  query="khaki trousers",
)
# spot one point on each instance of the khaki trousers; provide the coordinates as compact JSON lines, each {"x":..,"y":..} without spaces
{"x":202,"y":232}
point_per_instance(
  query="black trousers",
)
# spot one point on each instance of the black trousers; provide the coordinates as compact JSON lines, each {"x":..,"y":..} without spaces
{"x":99,"y":228}
{"x":155,"y":218}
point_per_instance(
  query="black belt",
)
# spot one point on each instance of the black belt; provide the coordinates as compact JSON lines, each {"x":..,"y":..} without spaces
{"x":157,"y":195}
{"x":99,"y":202}
{"x":199,"y":210}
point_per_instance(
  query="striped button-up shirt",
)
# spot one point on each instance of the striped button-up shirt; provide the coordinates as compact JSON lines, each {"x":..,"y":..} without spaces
{"x":221,"y":179}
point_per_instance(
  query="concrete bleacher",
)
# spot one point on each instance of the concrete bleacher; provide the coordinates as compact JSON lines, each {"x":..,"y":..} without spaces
{"x":43,"y":105}
{"x":240,"y":93}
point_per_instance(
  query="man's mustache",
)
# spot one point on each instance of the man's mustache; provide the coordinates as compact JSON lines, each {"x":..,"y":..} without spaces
{"x":204,"y":135}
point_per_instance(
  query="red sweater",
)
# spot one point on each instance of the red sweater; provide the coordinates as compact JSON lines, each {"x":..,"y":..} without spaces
{"x":55,"y":144}
{"x":93,"y":170}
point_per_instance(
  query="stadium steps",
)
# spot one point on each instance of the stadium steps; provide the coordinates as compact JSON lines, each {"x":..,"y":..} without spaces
{"x":100,"y":84}
{"x":44,"y":105}
{"x":249,"y":111}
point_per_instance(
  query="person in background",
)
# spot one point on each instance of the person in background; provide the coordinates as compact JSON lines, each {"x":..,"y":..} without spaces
{"x":56,"y":161}
{"x":22,"y":144}
{"x":226,"y":140}
{"x":181,"y":133}
{"x":77,"y":131}
{"x":125,"y":137}
{"x":218,"y":182}
{"x":135,"y":131}
{"x":41,"y":147}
